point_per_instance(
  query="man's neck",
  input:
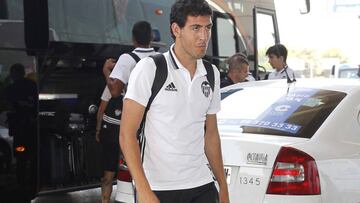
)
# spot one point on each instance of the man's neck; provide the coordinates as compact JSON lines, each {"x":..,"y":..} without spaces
{"x":281,"y":68}
{"x":143,"y":46}
{"x":185,"y":59}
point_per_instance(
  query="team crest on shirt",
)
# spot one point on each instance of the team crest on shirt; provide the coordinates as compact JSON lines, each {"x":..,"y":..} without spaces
{"x":205,"y":88}
{"x":117,"y":112}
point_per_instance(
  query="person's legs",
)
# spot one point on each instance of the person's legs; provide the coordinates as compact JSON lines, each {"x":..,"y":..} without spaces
{"x":110,"y":157}
{"x":106,"y":186}
{"x":203,"y":194}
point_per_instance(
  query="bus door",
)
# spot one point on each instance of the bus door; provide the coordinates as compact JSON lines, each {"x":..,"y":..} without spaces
{"x":266,"y":34}
{"x":225,"y":40}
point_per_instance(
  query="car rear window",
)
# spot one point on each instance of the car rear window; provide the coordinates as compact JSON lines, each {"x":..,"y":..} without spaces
{"x":296,"y":112}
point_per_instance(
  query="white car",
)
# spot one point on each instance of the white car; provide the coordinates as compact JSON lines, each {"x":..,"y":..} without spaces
{"x":124,"y":187}
{"x":346,"y":71}
{"x":296,"y":142}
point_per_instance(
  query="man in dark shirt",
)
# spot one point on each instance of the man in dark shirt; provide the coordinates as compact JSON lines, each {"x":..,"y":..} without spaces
{"x":238,"y":71}
{"x":22,"y":96}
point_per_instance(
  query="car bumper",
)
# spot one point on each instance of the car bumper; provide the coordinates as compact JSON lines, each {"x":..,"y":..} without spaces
{"x":124,"y":192}
{"x":292,"y":199}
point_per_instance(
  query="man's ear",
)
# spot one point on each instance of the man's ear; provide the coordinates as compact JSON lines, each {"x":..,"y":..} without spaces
{"x":175,"y":29}
{"x":282,"y":58}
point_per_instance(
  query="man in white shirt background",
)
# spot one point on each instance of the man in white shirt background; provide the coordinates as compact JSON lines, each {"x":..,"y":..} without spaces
{"x":277,"y":58}
{"x":117,"y":76}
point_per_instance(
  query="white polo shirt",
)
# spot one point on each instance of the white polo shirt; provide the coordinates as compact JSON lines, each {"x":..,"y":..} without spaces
{"x":282,"y":74}
{"x":125,"y":64}
{"x":106,"y":95}
{"x":174,"y":153}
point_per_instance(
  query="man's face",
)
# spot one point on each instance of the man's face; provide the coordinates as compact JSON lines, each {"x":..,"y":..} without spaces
{"x":240,"y":73}
{"x":244,"y":72}
{"x":194,"y":37}
{"x":276,"y":62}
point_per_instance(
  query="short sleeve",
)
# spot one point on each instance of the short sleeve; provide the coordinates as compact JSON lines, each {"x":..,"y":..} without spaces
{"x":140,"y":81}
{"x":106,"y":95}
{"x":123,"y":68}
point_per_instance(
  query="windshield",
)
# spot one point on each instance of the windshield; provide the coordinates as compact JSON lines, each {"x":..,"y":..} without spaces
{"x":298,"y":113}
{"x":94,"y":21}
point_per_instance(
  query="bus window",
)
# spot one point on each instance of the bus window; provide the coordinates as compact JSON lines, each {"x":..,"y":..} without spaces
{"x":224,"y":40}
{"x":111,"y":24}
{"x":225,"y":33}
{"x":266,"y":35}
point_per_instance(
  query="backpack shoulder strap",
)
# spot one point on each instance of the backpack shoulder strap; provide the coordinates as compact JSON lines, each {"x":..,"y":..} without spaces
{"x":160,"y":77}
{"x":134,"y":56}
{"x":159,"y":80}
{"x":210,"y":74}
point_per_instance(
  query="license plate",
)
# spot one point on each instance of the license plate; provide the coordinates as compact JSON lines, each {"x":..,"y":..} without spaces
{"x":227,"y":174}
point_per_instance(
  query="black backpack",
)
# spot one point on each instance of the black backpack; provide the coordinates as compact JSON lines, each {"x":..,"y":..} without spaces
{"x":159,"y":80}
{"x":114,"y":107}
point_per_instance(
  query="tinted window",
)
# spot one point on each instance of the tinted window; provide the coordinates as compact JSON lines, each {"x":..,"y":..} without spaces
{"x":93,"y":21}
{"x":348,"y":73}
{"x":298,"y":113}
{"x":11,"y":9}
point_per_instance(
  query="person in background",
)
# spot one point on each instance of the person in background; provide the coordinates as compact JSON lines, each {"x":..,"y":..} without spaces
{"x":117,"y":76}
{"x":22,"y":95}
{"x":105,"y":97}
{"x":277,"y":58}
{"x":238,"y":71}
{"x":182,"y":138}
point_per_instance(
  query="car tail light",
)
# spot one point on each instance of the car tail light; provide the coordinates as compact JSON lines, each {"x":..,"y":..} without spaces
{"x":123,"y":173}
{"x":294,"y":173}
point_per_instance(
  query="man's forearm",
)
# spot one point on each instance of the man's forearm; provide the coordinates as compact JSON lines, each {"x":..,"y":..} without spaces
{"x":115,"y":86}
{"x":131,"y":151}
{"x":213,"y":154}
{"x":98,"y":121}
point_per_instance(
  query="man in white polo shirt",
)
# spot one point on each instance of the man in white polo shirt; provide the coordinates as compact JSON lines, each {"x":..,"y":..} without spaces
{"x":178,"y":150}
{"x":277,"y":58}
{"x":117,"y":76}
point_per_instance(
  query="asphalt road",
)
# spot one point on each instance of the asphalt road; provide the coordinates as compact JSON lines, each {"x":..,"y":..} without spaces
{"x":84,"y":196}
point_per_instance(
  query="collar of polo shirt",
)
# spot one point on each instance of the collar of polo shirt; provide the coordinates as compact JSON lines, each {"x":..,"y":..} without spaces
{"x":200,"y":68}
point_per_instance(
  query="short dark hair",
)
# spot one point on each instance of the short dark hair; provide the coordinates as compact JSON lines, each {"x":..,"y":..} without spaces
{"x":181,"y":9}
{"x":278,"y":50}
{"x":238,"y":58}
{"x":142,"y":32}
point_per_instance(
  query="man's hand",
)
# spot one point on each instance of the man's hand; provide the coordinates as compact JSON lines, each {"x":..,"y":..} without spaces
{"x":148,"y":197}
{"x":108,"y":66}
{"x":97,"y":135}
{"x":224,"y":196}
